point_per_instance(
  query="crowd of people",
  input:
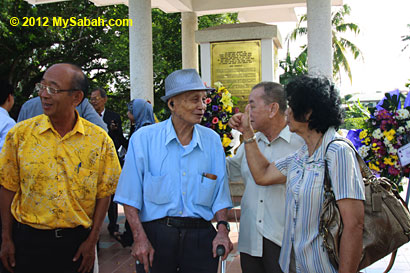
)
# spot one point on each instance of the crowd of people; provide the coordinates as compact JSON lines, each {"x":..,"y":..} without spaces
{"x":62,"y":171}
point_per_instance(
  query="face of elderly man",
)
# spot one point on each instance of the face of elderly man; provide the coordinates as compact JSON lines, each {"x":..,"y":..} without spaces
{"x":188,"y":107}
{"x":60,"y":78}
{"x":259,"y":111}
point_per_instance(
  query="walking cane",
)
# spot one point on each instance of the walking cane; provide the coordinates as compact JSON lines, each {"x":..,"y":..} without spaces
{"x":220,"y":251}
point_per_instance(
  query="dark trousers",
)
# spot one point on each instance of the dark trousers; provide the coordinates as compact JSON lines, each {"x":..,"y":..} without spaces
{"x":268,"y":263}
{"x":112,"y":216}
{"x":180,"y":250}
{"x":39,"y":251}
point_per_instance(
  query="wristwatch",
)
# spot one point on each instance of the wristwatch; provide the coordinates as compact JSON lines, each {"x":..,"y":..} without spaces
{"x":224,"y":223}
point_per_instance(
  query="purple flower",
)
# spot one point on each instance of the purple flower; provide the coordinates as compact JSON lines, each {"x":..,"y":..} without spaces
{"x":215,"y":108}
{"x":353,"y":136}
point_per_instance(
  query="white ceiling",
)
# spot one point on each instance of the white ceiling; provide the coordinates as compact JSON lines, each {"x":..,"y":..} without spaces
{"x":264,"y":11}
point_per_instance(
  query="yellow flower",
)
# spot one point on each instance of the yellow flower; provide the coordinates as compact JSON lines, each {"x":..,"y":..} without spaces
{"x":388,"y":161}
{"x":226,"y":100}
{"x":366,"y":141}
{"x":374,"y":167}
{"x":363,"y":134}
{"x":226,"y":141}
{"x":221,"y":125}
{"x":389,"y":134}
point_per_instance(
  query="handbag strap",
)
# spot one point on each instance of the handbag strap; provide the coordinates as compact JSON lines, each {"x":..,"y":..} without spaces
{"x":364,"y":169}
{"x":366,"y":173}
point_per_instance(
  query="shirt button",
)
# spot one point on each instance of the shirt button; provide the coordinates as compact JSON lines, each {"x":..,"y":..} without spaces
{"x":269,"y":145}
{"x":261,"y":201}
{"x":183,"y":173}
{"x":180,"y":212}
{"x":183,"y":193}
{"x":260,"y":221}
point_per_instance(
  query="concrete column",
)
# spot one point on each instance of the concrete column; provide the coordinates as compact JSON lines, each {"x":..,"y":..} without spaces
{"x":189,"y":47}
{"x":141,"y":68}
{"x":319,"y":37}
{"x":267,"y":59}
{"x":206,"y":63}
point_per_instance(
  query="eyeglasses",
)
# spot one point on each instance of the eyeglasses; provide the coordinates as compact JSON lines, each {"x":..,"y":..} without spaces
{"x":95,"y":99}
{"x":50,"y":90}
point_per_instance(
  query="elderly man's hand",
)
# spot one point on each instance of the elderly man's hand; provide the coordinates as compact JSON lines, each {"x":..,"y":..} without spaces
{"x":222,"y":238}
{"x":143,"y":252}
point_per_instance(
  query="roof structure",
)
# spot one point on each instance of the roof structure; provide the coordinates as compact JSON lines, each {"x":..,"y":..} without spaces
{"x":264,"y":11}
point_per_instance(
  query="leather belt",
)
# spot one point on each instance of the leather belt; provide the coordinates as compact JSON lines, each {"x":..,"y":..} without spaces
{"x":53,"y":233}
{"x":184,"y":222}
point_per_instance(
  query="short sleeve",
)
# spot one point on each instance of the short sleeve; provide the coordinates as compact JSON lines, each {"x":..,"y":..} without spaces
{"x":110,"y":170}
{"x":129,"y":190}
{"x":233,"y":164}
{"x":283,"y":164}
{"x":9,"y":171}
{"x":344,"y":171}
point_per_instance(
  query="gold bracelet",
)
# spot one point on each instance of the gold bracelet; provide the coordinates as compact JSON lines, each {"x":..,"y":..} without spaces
{"x":250,"y":140}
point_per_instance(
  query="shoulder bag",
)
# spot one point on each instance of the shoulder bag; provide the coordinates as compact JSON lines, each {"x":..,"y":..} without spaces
{"x":386,"y":219}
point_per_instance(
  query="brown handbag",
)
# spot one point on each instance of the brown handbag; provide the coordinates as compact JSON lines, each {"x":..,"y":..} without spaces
{"x":386,"y":219}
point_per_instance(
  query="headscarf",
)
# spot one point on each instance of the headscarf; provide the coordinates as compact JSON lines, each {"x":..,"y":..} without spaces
{"x":142,"y":112}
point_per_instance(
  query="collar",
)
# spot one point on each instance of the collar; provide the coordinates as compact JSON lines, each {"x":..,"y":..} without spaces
{"x":285,"y":134}
{"x":45,"y":124}
{"x":4,"y":111}
{"x":171,"y":135}
{"x":103,"y":112}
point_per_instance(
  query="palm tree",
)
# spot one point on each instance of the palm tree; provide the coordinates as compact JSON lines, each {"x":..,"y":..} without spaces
{"x":341,"y":46}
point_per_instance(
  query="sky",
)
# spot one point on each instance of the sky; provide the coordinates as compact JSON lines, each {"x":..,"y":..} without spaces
{"x":385,"y":66}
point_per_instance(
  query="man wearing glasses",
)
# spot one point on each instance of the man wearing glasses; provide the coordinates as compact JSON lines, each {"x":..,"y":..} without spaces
{"x":32,"y":108}
{"x":58,"y":173}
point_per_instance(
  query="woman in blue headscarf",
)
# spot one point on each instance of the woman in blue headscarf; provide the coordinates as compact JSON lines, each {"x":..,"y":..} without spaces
{"x":140,"y":113}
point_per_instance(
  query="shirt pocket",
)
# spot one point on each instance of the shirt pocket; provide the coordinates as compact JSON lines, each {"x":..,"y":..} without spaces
{"x":205,"y":191}
{"x":158,"y":189}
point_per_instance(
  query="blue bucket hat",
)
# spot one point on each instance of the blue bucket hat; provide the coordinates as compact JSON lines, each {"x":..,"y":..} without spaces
{"x":182,"y":81}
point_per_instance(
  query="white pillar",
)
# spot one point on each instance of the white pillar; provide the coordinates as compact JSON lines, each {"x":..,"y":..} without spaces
{"x":206,"y":63}
{"x":267,"y":59}
{"x":141,"y":68}
{"x":319,"y":37}
{"x":189,"y":47}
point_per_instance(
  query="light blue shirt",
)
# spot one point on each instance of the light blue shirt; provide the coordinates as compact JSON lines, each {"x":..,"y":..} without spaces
{"x":33,"y":108}
{"x":304,"y":199}
{"x":163,"y":178}
{"x":6,"y":123}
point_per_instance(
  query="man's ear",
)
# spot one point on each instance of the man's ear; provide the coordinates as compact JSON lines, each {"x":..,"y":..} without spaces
{"x":78,"y":97}
{"x":273,"y":109}
{"x":171,"y":104}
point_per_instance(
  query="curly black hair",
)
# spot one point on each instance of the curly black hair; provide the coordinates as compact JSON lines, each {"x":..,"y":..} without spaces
{"x":318,"y":95}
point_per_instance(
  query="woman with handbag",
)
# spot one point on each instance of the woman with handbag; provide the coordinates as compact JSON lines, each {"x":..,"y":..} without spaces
{"x":314,"y":113}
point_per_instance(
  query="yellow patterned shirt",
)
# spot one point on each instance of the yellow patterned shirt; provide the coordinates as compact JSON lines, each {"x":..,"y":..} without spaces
{"x":57,"y":179}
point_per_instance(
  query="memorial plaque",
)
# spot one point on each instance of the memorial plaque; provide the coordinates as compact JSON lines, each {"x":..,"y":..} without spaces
{"x":237,"y":65}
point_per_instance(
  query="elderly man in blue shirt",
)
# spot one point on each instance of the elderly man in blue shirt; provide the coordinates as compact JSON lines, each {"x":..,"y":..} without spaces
{"x":173,"y":183}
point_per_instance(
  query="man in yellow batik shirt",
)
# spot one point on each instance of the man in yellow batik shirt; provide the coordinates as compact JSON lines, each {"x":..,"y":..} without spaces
{"x":58,"y":173}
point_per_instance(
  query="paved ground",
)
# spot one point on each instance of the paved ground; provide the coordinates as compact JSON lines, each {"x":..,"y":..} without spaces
{"x":113,"y":258}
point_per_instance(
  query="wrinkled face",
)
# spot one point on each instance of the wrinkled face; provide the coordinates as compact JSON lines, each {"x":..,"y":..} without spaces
{"x":58,"y":105}
{"x":97,"y":101}
{"x":189,"y":107}
{"x":258,"y":111}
